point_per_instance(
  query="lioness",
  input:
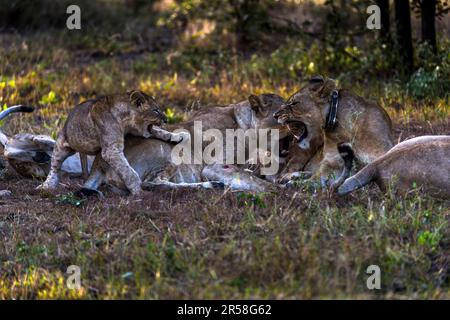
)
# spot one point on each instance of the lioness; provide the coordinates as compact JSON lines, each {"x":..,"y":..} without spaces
{"x":99,"y":127}
{"x":151,"y":158}
{"x":30,"y":154}
{"x":301,"y":162}
{"x":345,"y":121}
{"x":421,"y":162}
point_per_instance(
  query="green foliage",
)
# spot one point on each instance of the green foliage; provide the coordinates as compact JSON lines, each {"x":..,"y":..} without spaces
{"x":49,"y":98}
{"x":70,"y":199}
{"x":428,"y":238}
{"x":432,"y":79}
{"x":29,"y":255}
{"x":255,"y":200}
{"x":173,"y":116}
{"x":293,"y":246}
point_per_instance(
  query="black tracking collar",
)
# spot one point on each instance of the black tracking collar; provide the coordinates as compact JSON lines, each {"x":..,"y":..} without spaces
{"x":332,"y":113}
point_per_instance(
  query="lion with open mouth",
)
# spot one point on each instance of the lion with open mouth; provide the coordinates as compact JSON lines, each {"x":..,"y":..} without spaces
{"x":342,"y":121}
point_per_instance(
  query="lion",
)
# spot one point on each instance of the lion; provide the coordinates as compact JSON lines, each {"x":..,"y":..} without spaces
{"x":152,"y":160}
{"x":29,"y":154}
{"x":346,"y":122}
{"x":300,"y":163}
{"x":98,"y":127}
{"x":422,"y":162}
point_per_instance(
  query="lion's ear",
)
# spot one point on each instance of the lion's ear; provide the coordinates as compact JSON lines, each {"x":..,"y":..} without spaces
{"x":325,"y":89}
{"x":316,"y":79}
{"x":137,"y":98}
{"x":243,"y":116}
{"x":255,"y":103}
{"x":313,"y":84}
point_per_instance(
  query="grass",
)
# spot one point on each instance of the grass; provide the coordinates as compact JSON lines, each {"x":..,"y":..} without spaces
{"x":206,"y":244}
{"x":286,"y":245}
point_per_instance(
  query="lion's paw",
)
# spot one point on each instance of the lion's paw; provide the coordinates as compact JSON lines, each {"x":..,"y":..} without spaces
{"x":179,"y":137}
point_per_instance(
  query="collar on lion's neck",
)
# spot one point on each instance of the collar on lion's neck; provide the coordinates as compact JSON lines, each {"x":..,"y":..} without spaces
{"x":331,"y":118}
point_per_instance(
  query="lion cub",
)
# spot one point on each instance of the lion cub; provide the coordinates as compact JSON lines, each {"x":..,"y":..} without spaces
{"x":98,"y":127}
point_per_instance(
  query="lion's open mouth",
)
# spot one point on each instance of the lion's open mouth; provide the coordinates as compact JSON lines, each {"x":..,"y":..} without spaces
{"x":41,"y":157}
{"x":298,"y":129}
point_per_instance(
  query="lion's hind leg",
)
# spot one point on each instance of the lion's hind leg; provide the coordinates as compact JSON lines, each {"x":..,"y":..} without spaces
{"x":94,"y":181}
{"x":61,"y":152}
{"x":330,"y":168}
{"x":180,"y":177}
{"x":168,"y":185}
{"x":236,"y":179}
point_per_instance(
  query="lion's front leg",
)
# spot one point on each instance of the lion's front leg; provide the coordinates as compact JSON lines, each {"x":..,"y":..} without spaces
{"x":61,"y":152}
{"x":97,"y":175}
{"x":168,"y":136}
{"x":330,"y":168}
{"x":113,"y":154}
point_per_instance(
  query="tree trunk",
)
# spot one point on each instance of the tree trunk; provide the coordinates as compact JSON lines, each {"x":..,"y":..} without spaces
{"x":428,"y":12}
{"x":403,"y":29}
{"x":250,"y":17}
{"x":385,"y":33}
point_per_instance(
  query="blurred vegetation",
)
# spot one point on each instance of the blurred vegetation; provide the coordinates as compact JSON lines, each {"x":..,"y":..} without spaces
{"x":195,"y":52}
{"x":432,"y":79}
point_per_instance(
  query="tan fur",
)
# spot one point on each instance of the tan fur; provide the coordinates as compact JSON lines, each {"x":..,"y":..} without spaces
{"x":29,"y":154}
{"x":99,"y":128}
{"x":362,"y":126}
{"x":422,"y":162}
{"x":301,"y":163}
{"x":151,"y":159}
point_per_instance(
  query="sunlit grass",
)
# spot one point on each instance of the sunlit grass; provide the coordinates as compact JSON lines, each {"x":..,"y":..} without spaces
{"x":37,"y":283}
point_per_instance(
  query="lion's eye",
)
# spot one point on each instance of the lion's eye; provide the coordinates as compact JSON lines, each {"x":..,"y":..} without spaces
{"x":292,"y":104}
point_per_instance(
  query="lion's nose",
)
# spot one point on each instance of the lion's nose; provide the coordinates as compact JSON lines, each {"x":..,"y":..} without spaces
{"x":164,"y":118}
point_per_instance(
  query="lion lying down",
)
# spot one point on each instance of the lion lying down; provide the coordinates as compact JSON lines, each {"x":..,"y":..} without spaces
{"x":29,"y":154}
{"x":421,"y":162}
{"x":151,"y":159}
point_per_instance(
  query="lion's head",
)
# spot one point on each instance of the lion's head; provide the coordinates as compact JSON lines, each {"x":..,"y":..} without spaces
{"x":145,"y":113}
{"x":303,"y":113}
{"x":258,"y":113}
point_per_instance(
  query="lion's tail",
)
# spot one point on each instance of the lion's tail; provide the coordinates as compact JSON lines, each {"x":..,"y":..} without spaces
{"x":359,"y":180}
{"x":5,"y":113}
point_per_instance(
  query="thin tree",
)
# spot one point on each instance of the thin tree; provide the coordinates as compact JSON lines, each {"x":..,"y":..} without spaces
{"x":385,"y":32}
{"x":428,"y":11}
{"x":403,"y":34}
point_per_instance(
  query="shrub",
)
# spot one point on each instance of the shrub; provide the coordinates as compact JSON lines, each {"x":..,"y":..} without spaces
{"x":432,"y":79}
